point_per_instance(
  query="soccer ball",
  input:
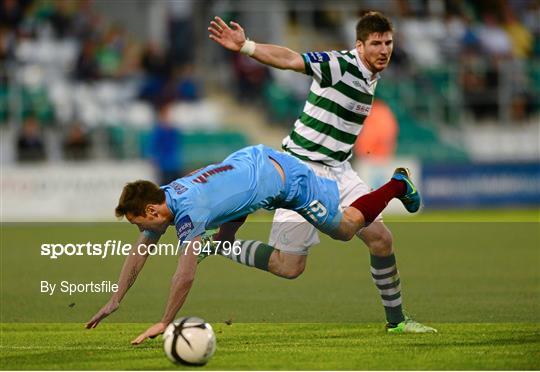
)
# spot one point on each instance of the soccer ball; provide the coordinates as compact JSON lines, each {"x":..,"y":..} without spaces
{"x":190,"y":341}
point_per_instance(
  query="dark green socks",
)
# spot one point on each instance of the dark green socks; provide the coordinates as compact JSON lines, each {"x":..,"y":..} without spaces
{"x":250,"y":253}
{"x":386,"y":278}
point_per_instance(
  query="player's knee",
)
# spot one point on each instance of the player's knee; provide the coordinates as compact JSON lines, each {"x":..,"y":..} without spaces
{"x":288,"y":266}
{"x":293,"y":272}
{"x":381,"y":243}
{"x":293,"y":267}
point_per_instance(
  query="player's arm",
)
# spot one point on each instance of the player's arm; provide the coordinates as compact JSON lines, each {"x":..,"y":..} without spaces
{"x":133,"y":264}
{"x":181,"y":283}
{"x":233,"y":38}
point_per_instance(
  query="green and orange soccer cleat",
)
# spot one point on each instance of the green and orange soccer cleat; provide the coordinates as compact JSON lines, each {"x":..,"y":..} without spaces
{"x":411,"y":199}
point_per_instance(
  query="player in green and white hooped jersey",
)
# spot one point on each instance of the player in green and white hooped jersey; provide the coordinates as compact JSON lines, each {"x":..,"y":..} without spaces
{"x":339,"y":100}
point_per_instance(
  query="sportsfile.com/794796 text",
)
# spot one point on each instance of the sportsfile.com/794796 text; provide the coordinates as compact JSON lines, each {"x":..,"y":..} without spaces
{"x":118,"y":248}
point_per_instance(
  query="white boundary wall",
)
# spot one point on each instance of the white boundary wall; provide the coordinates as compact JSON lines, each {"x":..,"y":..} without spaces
{"x":66,"y":191}
{"x":90,"y":191}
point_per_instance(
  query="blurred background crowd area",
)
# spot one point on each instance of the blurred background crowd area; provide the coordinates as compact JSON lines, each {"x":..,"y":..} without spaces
{"x":90,"y":79}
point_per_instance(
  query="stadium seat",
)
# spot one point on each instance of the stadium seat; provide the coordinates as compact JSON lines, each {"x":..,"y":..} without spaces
{"x":197,"y":116}
{"x":139,"y":114}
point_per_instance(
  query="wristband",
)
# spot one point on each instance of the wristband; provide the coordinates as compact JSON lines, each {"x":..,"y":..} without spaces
{"x":248,"y":48}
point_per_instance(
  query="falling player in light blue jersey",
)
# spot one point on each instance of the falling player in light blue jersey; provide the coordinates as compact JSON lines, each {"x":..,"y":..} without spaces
{"x":250,"y":179}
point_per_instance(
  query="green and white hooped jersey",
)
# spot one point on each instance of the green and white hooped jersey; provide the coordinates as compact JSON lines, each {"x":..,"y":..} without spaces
{"x":339,"y":100}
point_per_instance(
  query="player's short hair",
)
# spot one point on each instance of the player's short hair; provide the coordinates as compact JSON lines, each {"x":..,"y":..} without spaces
{"x":136,"y":196}
{"x":370,"y":23}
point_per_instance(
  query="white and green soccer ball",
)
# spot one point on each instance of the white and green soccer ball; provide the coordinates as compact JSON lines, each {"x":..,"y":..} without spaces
{"x":190,"y":341}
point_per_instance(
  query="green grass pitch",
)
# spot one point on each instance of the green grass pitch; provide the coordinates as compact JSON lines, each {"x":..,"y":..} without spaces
{"x":283,"y":346}
{"x":474,"y":276}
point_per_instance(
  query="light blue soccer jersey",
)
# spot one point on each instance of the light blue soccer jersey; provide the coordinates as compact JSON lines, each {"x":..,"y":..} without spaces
{"x":245,"y":182}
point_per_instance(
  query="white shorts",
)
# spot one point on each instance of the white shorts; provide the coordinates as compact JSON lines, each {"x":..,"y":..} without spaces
{"x":291,"y":233}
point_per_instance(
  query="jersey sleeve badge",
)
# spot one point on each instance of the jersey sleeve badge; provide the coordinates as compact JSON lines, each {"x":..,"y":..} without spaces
{"x":317,"y":57}
{"x":184,"y":227}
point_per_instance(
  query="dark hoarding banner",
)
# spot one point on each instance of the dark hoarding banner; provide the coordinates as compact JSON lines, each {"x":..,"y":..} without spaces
{"x":481,"y":185}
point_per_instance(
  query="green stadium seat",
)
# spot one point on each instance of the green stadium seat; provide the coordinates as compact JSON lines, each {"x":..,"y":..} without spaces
{"x":198,"y":148}
{"x":282,"y":104}
{"x":4,"y":104}
{"x":202,"y":148}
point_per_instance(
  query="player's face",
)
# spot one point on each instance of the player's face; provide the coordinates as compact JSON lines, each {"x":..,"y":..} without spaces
{"x":151,"y":221}
{"x":376,"y":51}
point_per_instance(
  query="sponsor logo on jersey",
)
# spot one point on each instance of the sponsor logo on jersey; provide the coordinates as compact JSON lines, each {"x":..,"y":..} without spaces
{"x":178,"y":188}
{"x":362,"y":108}
{"x":203,"y":177}
{"x":183,"y":227}
{"x":318,"y":57}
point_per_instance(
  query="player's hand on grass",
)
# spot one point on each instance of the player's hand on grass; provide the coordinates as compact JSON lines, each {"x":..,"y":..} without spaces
{"x":230,"y":38}
{"x":151,"y":332}
{"x":109,"y":308}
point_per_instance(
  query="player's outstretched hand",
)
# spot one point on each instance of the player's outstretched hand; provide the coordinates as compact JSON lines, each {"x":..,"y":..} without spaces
{"x":151,"y":332}
{"x":231,"y":38}
{"x":109,"y":308}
